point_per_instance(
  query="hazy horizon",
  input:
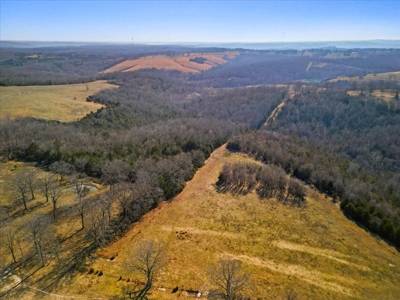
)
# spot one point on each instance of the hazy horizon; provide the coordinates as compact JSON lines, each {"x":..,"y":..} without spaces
{"x":164,"y":22}
{"x":302,"y":45}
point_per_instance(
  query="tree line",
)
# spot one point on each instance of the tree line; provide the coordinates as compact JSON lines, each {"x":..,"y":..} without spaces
{"x":371,"y":200}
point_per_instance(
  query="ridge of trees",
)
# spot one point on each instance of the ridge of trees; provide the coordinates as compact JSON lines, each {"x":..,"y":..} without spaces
{"x":269,"y":181}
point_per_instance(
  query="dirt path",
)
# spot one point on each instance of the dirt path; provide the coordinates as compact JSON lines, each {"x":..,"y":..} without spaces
{"x":309,"y":66}
{"x":272,"y":117}
{"x":193,"y":230}
{"x":9,"y":283}
{"x":330,"y":254}
{"x":319,"y":279}
{"x":62,"y":296}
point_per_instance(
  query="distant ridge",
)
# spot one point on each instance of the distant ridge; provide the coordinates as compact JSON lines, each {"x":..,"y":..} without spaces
{"x":379,"y":44}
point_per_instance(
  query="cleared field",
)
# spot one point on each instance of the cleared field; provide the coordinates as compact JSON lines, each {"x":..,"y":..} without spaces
{"x":386,"y":95}
{"x":178,"y":63}
{"x":371,"y":77}
{"x":64,"y":103}
{"x":315,"y":250}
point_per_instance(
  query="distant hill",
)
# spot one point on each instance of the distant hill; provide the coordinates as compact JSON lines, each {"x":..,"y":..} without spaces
{"x":301,"y":45}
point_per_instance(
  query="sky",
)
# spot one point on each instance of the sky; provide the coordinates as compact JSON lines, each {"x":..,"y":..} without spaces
{"x":199,"y":21}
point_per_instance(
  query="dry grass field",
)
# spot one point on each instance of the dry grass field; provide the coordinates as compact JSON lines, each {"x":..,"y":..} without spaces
{"x":64,"y":103}
{"x":315,"y":249}
{"x":65,"y":228}
{"x":386,"y":95}
{"x":178,"y":63}
{"x":371,"y":77}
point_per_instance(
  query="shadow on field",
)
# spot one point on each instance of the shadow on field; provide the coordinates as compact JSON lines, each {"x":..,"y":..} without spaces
{"x":64,"y":273}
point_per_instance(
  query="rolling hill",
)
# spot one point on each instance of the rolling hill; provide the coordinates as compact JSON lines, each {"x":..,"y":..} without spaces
{"x":314,"y":250}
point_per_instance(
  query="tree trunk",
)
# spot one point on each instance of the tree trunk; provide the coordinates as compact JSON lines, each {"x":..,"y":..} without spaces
{"x":54,"y":210}
{"x":82,"y":221}
{"x":12,"y":253}
{"x":24,"y":201}
{"x":41,"y":253}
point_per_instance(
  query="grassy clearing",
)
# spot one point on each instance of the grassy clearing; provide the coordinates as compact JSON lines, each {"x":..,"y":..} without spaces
{"x":178,"y":63}
{"x":386,"y":95}
{"x":64,"y":103}
{"x":315,"y":249}
{"x":370,"y":77}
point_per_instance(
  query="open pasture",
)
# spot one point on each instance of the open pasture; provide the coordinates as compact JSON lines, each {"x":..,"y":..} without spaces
{"x":64,"y":103}
{"x":180,"y":63}
{"x":395,"y":76}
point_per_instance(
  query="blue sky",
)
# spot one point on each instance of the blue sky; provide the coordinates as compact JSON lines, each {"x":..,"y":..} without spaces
{"x":199,"y":21}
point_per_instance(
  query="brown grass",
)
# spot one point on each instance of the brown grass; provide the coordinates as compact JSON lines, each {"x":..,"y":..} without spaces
{"x":386,"y":95}
{"x":65,"y":103}
{"x":315,"y":249}
{"x":370,"y":77}
{"x":178,"y":63}
{"x":66,"y":227}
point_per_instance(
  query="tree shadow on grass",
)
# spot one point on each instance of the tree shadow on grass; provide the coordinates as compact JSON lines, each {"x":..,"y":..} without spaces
{"x":64,"y":273}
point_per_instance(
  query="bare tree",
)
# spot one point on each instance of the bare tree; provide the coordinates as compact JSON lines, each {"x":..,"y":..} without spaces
{"x":8,"y":236}
{"x":148,"y":260}
{"x":62,"y":168}
{"x":20,"y":188}
{"x":55,"y":246}
{"x":296,"y":192}
{"x":47,"y":180}
{"x":124,"y":197}
{"x":114,"y":172}
{"x":30,"y":178}
{"x":97,"y":224}
{"x":55,"y":194}
{"x":106,"y":201}
{"x":229,"y":279}
{"x":38,"y":226}
{"x":81,"y":191}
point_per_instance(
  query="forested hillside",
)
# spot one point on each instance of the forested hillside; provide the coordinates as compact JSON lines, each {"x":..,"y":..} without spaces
{"x":347,"y":147}
{"x":158,"y":128}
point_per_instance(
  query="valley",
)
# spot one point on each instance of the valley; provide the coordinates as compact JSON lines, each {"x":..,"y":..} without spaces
{"x":207,"y":157}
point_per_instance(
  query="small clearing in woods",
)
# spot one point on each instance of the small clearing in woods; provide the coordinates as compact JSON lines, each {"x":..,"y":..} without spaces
{"x":183,"y":63}
{"x":395,"y":76}
{"x":64,"y":103}
{"x":386,"y":95}
{"x":314,"y":249}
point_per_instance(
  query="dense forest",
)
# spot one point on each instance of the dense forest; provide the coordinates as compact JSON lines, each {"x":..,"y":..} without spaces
{"x":159,"y":127}
{"x":346,"y":147}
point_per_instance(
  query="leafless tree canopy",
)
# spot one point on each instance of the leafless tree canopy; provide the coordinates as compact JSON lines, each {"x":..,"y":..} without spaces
{"x":148,"y":260}
{"x":268,"y":181}
{"x":229,"y":279}
{"x":20,"y":189}
{"x":55,"y":191}
{"x":38,"y":226}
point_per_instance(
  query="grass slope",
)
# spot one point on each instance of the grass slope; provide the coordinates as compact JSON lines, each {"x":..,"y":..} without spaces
{"x":314,"y":249}
{"x":370,"y":77}
{"x":54,"y":102}
{"x":178,"y":63}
